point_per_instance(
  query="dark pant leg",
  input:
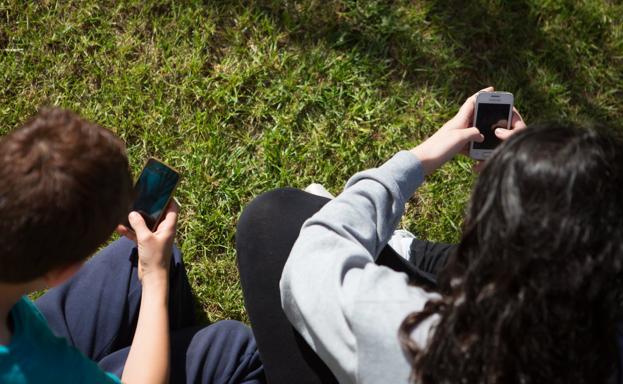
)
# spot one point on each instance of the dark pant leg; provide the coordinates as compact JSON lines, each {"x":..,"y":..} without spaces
{"x":430,"y":258}
{"x":222,"y":353}
{"x":97,"y":309}
{"x":266,"y":232}
{"x":389,"y":258}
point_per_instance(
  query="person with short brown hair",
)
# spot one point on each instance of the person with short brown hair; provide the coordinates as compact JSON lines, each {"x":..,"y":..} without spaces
{"x":62,"y":179}
{"x":128,"y":312}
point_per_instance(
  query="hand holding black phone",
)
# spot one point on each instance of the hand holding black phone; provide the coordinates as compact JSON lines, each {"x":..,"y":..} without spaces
{"x":153,"y":192}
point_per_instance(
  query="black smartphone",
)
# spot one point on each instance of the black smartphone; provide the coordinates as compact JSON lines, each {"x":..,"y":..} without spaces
{"x":153,"y":192}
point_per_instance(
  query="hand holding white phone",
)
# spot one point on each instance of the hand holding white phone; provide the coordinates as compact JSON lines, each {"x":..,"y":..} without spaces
{"x":492,"y":110}
{"x":517,"y":124}
{"x":453,"y":137}
{"x":459,"y":135}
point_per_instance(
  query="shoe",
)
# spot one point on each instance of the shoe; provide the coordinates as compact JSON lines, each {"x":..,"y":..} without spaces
{"x":401,"y":242}
{"x":401,"y":239}
{"x":318,"y":190}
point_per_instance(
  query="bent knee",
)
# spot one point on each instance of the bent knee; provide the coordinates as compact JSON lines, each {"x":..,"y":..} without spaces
{"x":268,"y":203}
{"x":233,"y":331}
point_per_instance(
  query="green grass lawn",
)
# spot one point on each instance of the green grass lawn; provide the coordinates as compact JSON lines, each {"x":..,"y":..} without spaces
{"x":245,"y":96}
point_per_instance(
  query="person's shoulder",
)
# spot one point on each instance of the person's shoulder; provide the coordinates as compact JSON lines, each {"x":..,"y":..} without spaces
{"x":25,"y":307}
{"x":29,"y":320}
{"x":37,"y":352}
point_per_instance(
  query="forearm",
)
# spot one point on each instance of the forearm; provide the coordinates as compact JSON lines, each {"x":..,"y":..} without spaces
{"x":148,"y":361}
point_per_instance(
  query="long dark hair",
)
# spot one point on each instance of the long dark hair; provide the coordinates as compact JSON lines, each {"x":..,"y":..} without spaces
{"x":533,"y":291}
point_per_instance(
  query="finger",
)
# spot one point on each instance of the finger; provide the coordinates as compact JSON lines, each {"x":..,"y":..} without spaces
{"x":467,"y":109}
{"x":478,"y":166}
{"x":503,"y":123}
{"x":138,"y":224}
{"x":471,"y":134}
{"x":490,"y":88}
{"x":503,"y":134}
{"x":465,"y":150}
{"x":170,"y":217}
{"x":125,"y":231}
{"x":517,"y":121}
{"x":472,"y":98}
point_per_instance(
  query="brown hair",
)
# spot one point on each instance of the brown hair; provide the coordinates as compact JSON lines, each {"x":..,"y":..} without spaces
{"x":64,"y":186}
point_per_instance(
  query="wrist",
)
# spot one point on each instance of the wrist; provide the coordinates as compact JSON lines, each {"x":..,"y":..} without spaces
{"x":426,"y":160}
{"x":155,"y":279}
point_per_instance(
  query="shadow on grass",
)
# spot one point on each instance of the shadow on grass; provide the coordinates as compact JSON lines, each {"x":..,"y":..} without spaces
{"x":446,"y":45}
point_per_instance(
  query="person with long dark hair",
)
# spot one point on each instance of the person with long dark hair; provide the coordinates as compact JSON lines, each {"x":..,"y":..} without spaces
{"x":533,"y":291}
{"x":531,"y":294}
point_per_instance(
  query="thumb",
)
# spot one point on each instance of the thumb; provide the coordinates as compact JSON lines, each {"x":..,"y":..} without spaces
{"x":472,"y":134}
{"x":502,"y":133}
{"x":138,"y":224}
{"x":467,"y":109}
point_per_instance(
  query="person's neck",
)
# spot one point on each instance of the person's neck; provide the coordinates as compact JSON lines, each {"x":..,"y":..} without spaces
{"x":9,"y":295}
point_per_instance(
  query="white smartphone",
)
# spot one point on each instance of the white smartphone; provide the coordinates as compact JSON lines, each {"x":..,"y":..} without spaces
{"x":492,"y":110}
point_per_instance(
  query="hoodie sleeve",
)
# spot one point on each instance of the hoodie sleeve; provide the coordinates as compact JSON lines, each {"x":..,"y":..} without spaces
{"x":330,"y":279}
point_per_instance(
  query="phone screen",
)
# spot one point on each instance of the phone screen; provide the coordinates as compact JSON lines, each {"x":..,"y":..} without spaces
{"x":153,"y":190}
{"x":489,"y":117}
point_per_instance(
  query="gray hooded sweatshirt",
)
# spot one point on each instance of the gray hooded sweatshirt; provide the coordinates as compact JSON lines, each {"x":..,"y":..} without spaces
{"x":347,"y":308}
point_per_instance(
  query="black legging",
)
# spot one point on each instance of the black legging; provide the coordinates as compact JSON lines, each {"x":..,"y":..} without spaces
{"x":266,"y":232}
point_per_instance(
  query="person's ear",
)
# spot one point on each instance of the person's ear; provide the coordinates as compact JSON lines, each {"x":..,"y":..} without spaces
{"x":59,"y":275}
